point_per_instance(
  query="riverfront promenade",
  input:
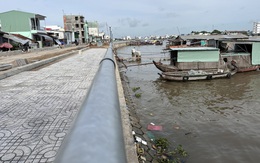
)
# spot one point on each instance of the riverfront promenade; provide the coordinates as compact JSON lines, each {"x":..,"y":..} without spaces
{"x":37,"y":107}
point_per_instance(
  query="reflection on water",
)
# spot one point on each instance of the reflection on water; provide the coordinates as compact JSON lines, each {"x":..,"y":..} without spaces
{"x":217,"y":120}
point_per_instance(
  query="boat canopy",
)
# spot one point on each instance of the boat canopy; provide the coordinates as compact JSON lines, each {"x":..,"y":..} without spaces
{"x":197,"y":54}
{"x":256,"y":53}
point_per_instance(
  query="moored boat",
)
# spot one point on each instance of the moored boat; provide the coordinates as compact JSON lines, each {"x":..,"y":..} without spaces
{"x":193,"y":75}
{"x":164,"y":67}
{"x":196,"y":58}
{"x":247,"y":69}
{"x":194,"y":52}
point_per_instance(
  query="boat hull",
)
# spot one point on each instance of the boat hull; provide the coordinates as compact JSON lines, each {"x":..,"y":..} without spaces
{"x":247,"y":69}
{"x":165,"y":68}
{"x":184,"y":76}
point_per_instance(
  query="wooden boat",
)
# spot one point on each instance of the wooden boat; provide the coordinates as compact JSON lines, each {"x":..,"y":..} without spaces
{"x":170,"y":68}
{"x":187,"y":58}
{"x":193,"y":75}
{"x":164,"y":67}
{"x":247,"y":69}
{"x":158,"y":42}
{"x":244,"y":52}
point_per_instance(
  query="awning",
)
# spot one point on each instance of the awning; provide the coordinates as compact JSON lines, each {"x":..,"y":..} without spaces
{"x":47,"y":38}
{"x":16,"y":39}
{"x":58,"y":41}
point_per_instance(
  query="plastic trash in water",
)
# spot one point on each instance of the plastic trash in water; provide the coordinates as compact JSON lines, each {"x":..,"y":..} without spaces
{"x":138,"y":139}
{"x":154,"y":127}
{"x":144,"y":142}
{"x":176,"y":127}
{"x":150,"y":135}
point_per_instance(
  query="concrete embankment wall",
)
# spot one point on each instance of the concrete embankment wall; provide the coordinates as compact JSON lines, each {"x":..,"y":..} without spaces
{"x":137,"y":144}
{"x":130,"y":148}
{"x":120,"y":44}
{"x":17,"y":52}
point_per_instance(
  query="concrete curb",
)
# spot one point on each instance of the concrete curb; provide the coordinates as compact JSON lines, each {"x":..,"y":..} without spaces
{"x":31,"y":66}
{"x":130,"y":148}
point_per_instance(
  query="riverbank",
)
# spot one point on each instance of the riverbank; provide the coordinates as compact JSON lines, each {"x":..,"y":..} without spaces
{"x":143,"y":145}
{"x":204,"y":116}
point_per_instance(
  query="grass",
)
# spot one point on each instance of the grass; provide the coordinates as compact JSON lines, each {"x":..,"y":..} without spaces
{"x":138,"y":95}
{"x":135,"y":89}
{"x":166,"y":156}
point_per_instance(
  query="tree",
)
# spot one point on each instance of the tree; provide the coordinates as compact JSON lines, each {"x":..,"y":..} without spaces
{"x":215,"y":31}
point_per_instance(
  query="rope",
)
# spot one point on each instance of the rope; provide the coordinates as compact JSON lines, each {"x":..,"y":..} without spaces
{"x":140,"y":64}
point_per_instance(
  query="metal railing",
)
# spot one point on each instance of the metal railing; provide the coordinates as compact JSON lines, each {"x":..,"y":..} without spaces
{"x":97,"y":134}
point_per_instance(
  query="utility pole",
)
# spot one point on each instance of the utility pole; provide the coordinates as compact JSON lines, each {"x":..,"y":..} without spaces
{"x":9,"y":36}
{"x":178,"y":30}
{"x":111,"y":35}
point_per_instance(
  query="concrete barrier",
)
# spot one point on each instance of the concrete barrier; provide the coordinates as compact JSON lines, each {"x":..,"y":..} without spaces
{"x":97,"y":134}
{"x":34,"y":65}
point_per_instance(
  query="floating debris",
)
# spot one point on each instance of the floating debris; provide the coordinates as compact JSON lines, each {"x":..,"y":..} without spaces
{"x":143,"y":158}
{"x":150,"y":135}
{"x":144,"y":142}
{"x":176,"y":127}
{"x":154,"y":127}
{"x":139,"y":150}
{"x":138,"y":139}
{"x":188,"y":133}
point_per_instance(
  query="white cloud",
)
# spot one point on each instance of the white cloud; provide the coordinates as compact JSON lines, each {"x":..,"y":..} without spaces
{"x":145,"y":17}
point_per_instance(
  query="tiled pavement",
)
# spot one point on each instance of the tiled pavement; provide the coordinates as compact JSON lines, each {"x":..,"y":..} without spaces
{"x":37,"y":107}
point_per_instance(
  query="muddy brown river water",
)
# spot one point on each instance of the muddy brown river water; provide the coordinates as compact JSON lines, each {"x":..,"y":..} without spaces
{"x":215,"y":121}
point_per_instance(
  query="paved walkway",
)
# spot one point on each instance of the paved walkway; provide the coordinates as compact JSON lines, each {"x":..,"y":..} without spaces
{"x":36,"y":55}
{"x":38,"y":107}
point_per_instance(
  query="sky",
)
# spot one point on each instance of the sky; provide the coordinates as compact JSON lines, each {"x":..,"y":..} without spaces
{"x":147,"y":17}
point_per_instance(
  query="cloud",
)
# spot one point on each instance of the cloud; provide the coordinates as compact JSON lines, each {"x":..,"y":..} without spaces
{"x":102,"y":24}
{"x":145,"y":25}
{"x":146,"y":16}
{"x":161,"y":9}
{"x":171,"y":15}
{"x":131,"y":22}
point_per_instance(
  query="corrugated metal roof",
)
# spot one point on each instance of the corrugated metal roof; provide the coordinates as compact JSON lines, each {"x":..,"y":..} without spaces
{"x":42,"y":17}
{"x":21,"y":36}
{"x":16,"y":39}
{"x":211,"y":37}
{"x":254,"y":38}
{"x":195,"y":49}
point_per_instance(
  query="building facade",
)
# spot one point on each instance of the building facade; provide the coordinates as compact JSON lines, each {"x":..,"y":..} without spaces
{"x":26,"y":24}
{"x":86,"y":32}
{"x":94,"y":34}
{"x":256,"y":28}
{"x":57,"y":33}
{"x":75,"y":24}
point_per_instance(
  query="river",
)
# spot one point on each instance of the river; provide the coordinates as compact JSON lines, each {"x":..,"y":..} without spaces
{"x":215,"y":120}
